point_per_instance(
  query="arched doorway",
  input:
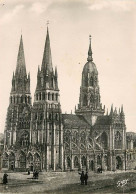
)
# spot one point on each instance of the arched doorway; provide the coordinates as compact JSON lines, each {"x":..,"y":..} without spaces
{"x":30,"y":161}
{"x":118,"y":163}
{"x":76,"y":164}
{"x":22,"y":160}
{"x":91,"y":165}
{"x":105,"y":164}
{"x":11,"y":161}
{"x":37,"y":162}
{"x":5,"y":160}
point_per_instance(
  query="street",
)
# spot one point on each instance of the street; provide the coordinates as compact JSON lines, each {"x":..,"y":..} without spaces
{"x":69,"y":182}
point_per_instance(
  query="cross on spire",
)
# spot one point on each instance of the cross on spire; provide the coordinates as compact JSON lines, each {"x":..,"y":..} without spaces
{"x":90,"y":37}
{"x":47,"y":23}
{"x":90,"y":51}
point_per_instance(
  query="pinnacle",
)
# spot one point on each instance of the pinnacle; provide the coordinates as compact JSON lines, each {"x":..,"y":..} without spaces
{"x":21,"y":67}
{"x":47,"y":59}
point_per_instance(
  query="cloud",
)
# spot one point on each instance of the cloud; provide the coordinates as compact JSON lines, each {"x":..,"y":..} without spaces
{"x":116,"y":5}
{"x":40,"y":7}
{"x":37,"y":8}
{"x":11,"y":14}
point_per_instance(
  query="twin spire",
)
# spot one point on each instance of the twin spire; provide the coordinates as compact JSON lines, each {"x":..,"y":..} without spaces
{"x":47,"y":59}
{"x":21,"y":66}
{"x":46,"y":62}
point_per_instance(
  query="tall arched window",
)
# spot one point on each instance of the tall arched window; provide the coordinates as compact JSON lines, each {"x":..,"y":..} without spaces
{"x":86,"y":81}
{"x":36,"y":96}
{"x":52,"y":96}
{"x":22,"y":160}
{"x":85,"y":100}
{"x":76,"y":164}
{"x":75,"y":137}
{"x":49,"y":96}
{"x":99,"y":161}
{"x":91,"y":99}
{"x":21,"y":99}
{"x":68,"y":137}
{"x":50,"y":116}
{"x":43,"y":96}
{"x":118,"y":140}
{"x":39,"y":96}
{"x":25,"y":99}
{"x":56,"y":97}
{"x":83,"y":160}
{"x":83,"y":137}
{"x":104,"y":140}
{"x":5,"y":160}
{"x":68,"y":162}
{"x":52,"y":82}
{"x":91,"y":81}
{"x":24,"y":140}
{"x":14,"y":99}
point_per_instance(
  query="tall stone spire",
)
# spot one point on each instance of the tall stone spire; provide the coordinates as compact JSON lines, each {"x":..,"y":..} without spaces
{"x":20,"y":81}
{"x":21,"y":66}
{"x":47,"y":59}
{"x":90,"y":51}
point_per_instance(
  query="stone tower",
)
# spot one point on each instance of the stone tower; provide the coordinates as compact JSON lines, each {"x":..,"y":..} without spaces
{"x":17,"y":129}
{"x":46,"y":129}
{"x":89,"y":101}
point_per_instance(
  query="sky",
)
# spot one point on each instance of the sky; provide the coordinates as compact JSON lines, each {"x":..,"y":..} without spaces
{"x":112,"y":25}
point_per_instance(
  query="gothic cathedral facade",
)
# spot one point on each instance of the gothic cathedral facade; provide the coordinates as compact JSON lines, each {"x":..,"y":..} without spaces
{"x":39,"y":136}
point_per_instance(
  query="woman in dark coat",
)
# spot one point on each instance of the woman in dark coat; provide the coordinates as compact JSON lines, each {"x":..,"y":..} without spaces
{"x":82,"y":177}
{"x":5,"y":180}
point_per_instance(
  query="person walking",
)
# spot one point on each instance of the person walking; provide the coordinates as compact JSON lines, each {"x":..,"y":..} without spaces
{"x":86,"y":177}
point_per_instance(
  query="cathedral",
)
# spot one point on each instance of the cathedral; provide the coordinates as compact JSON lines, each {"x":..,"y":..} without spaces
{"x":39,"y":136}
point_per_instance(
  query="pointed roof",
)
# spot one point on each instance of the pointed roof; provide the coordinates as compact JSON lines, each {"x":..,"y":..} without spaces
{"x":56,"y":72}
{"x":47,"y":59}
{"x":90,"y":51}
{"x":122,"y":111}
{"x":21,"y":66}
{"x":111,"y":112}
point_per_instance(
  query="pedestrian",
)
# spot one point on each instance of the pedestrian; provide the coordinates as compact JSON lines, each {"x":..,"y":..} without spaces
{"x":5,"y":179}
{"x":37,"y":174}
{"x":82,"y":177}
{"x":86,"y":177}
{"x":34,"y":174}
{"x":28,"y":172}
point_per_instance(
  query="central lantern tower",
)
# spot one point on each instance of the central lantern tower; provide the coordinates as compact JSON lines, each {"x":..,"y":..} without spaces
{"x":89,"y":101}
